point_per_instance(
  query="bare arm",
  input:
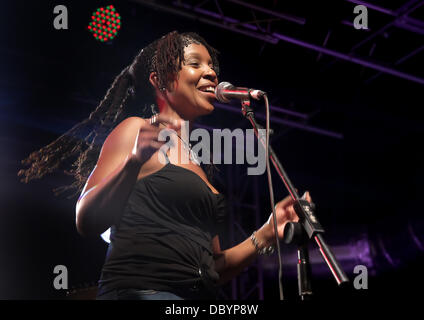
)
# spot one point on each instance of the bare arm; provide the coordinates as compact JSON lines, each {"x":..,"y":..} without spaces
{"x":230,"y":262}
{"x":109,"y":185}
{"x":127,"y":148}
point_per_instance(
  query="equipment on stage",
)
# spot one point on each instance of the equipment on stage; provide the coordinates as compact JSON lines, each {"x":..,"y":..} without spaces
{"x":225,"y":92}
{"x":308,"y":226}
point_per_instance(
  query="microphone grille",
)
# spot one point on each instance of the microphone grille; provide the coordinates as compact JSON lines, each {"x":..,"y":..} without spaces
{"x":218,"y":91}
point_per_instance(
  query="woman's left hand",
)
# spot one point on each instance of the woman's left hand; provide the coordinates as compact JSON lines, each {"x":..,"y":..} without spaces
{"x":285,"y":214}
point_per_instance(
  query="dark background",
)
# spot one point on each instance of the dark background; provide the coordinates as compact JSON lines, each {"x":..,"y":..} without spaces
{"x":366,"y":185}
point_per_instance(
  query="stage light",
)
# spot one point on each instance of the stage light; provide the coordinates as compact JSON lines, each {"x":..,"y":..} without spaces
{"x":106,"y":236}
{"x":103,"y":19}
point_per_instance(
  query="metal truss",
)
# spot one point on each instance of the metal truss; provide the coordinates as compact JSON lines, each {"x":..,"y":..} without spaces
{"x":401,"y":20}
{"x":212,"y":13}
{"x":244,"y":217}
{"x":245,"y":214}
{"x":299,"y":119}
{"x":299,"y":123}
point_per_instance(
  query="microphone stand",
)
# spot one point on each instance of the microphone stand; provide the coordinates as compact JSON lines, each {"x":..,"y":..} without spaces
{"x":308,"y":226}
{"x":294,"y":233}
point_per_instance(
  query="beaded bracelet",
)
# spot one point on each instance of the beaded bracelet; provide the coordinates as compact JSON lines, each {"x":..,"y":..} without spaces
{"x":262,"y":251}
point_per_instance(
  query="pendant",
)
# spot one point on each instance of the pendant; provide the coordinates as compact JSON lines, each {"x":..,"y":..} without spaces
{"x":194,"y":158}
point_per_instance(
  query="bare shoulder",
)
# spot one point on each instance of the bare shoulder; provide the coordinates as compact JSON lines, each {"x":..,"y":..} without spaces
{"x":129,"y":124}
{"x":132,"y":121}
{"x":126,"y":129}
{"x":115,"y":149}
{"x":120,"y":140}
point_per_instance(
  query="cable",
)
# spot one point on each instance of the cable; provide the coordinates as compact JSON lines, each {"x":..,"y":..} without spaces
{"x":271,"y":194}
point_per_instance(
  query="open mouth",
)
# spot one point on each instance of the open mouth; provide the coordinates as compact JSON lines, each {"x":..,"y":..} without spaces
{"x":210,"y":90}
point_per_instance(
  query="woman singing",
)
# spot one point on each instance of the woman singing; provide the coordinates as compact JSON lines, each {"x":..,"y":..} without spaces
{"x":163,"y":216}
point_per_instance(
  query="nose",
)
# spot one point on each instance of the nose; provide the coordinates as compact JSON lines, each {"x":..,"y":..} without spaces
{"x":210,"y":74}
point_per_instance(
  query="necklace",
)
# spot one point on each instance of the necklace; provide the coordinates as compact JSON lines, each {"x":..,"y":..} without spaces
{"x":187,"y":146}
{"x":193,"y":155}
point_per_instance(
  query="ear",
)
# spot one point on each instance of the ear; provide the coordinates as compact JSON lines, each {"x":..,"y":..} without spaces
{"x":153,"y":78}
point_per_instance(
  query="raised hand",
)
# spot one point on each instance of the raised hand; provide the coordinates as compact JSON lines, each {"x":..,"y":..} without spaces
{"x":146,"y":142}
{"x":285,"y":213}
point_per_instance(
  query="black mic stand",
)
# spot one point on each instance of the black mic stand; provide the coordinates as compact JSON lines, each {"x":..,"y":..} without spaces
{"x":295,"y":234}
{"x":308,"y":226}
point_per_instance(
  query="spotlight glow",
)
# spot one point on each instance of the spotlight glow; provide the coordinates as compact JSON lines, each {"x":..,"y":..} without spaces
{"x":105,"y":19}
{"x":106,"y":236}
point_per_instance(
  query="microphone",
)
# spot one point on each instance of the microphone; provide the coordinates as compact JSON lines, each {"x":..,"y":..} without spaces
{"x":225,"y":91}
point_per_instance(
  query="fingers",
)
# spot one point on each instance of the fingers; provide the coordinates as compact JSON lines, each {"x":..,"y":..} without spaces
{"x":153,"y":130}
{"x":288,"y":201}
{"x":166,"y":120}
{"x":156,"y":144}
{"x":308,"y":196}
{"x":148,"y":135}
{"x":292,"y":214}
{"x":146,"y":139}
{"x":286,"y":212}
{"x":150,"y":130}
{"x":285,"y":202}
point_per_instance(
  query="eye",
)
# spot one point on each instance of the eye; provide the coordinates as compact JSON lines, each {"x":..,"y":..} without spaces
{"x":193,"y":63}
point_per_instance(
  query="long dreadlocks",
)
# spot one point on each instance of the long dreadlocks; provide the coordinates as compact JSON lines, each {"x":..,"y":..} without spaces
{"x":130,"y":94}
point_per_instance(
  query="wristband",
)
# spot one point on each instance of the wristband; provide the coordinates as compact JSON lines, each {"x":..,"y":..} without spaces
{"x":262,"y":251}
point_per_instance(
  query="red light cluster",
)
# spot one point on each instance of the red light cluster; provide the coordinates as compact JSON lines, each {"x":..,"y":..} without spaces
{"x":105,"y":23}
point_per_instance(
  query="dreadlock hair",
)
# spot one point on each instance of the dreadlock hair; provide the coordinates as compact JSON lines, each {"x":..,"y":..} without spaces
{"x":130,"y":94}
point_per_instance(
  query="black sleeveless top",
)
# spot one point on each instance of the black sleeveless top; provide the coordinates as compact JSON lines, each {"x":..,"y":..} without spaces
{"x":164,"y":238}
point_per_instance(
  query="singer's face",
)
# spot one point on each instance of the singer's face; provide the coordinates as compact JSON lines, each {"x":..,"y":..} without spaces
{"x":193,"y":90}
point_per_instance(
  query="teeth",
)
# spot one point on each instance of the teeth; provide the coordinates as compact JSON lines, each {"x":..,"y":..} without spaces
{"x":208,"y":89}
